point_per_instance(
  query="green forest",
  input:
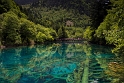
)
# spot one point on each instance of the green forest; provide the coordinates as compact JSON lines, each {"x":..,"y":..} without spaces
{"x":46,"y":20}
{"x":97,"y":21}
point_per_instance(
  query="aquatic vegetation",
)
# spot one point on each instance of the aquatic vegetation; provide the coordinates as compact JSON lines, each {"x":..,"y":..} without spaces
{"x":116,"y":72}
{"x":58,"y":62}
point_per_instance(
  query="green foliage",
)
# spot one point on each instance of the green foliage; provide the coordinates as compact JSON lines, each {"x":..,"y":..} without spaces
{"x":80,"y":6}
{"x":53,"y":33}
{"x":119,"y":50}
{"x":15,"y":30}
{"x":19,"y":13}
{"x":6,"y":5}
{"x":11,"y":28}
{"x":10,"y":5}
{"x":38,"y":33}
{"x":41,"y":37}
{"x":28,"y":30}
{"x":56,"y":16}
{"x":45,"y":34}
{"x":62,"y":33}
{"x":79,"y":32}
{"x":111,"y":29}
{"x":98,"y":11}
{"x":88,"y":34}
{"x":75,"y":32}
{"x":115,"y":37}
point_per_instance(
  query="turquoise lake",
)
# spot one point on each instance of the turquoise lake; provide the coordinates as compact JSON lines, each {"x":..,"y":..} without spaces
{"x":55,"y":63}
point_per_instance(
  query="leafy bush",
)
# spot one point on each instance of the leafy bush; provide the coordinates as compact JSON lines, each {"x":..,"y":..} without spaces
{"x":18,"y":30}
{"x":11,"y":27}
{"x":27,"y":30}
{"x":88,"y":34}
{"x":62,"y":33}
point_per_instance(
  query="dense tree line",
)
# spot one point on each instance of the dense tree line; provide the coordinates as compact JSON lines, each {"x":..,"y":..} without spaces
{"x":54,"y":14}
{"x":51,"y":16}
{"x":15,"y":29}
{"x":22,"y":31}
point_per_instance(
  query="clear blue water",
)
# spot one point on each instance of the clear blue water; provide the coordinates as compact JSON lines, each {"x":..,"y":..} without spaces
{"x":55,"y":63}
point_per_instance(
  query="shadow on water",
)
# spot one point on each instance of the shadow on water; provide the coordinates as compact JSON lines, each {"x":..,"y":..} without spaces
{"x":55,"y":63}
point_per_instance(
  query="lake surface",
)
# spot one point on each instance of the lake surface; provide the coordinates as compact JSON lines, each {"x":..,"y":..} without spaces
{"x":55,"y":63}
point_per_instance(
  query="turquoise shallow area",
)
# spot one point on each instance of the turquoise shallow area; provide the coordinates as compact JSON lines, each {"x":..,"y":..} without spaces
{"x":55,"y":63}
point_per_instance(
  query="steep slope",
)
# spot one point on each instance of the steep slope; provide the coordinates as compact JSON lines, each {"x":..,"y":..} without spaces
{"x":52,"y":12}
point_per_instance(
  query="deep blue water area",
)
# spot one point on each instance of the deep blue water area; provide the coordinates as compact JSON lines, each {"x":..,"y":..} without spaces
{"x":55,"y":63}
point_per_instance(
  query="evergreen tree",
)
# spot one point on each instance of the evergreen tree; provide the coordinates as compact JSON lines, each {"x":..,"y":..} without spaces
{"x":62,"y":33}
{"x":98,"y":11}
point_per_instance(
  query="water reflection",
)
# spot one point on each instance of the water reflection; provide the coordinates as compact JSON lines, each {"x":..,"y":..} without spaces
{"x":55,"y":63}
